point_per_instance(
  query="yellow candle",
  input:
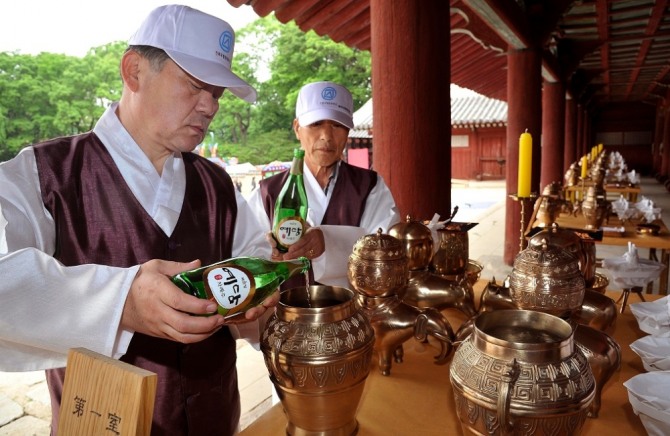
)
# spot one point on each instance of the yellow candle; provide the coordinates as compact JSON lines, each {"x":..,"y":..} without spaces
{"x":584,"y":165}
{"x":525,"y":163}
{"x":600,"y":148}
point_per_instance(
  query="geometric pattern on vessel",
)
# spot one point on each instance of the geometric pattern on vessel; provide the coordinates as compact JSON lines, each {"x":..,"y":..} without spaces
{"x":547,"y":279}
{"x":323,"y":355}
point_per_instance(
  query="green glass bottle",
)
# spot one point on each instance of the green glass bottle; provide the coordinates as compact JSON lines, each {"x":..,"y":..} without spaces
{"x":239,"y":283}
{"x":290,"y":217}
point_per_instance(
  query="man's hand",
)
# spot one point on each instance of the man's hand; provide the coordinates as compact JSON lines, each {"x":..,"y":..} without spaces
{"x":156,"y":307}
{"x":311,"y":245}
{"x":256,"y":312}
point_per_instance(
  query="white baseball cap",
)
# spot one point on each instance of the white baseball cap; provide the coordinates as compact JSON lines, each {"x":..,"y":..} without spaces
{"x":199,"y":43}
{"x":324,"y":101}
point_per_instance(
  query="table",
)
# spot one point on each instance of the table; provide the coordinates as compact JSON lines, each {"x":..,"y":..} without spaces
{"x":417,"y":398}
{"x":653,"y":243}
{"x":577,"y":192}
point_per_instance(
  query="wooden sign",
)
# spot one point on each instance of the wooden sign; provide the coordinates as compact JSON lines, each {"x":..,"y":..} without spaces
{"x":104,"y":396}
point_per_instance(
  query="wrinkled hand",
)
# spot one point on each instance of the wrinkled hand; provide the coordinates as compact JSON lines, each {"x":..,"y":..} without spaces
{"x":311,"y":245}
{"x":156,"y":307}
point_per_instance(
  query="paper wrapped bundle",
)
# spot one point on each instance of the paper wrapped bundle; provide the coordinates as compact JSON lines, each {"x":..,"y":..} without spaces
{"x":654,"y":352}
{"x":629,"y":271}
{"x":647,"y":209}
{"x":653,"y":317}
{"x":648,"y":394}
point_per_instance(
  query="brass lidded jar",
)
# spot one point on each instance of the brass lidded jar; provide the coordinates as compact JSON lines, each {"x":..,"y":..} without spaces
{"x":418,"y":241}
{"x":580,"y":244}
{"x":378,"y":265}
{"x":547,"y":278}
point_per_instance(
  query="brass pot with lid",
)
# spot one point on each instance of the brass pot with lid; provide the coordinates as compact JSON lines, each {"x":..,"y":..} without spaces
{"x":595,"y":206}
{"x":418,"y":241}
{"x":547,"y":278}
{"x":578,"y":243}
{"x":378,"y":265}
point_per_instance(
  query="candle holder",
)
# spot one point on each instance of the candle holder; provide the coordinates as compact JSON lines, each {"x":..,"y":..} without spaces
{"x":522,"y":201}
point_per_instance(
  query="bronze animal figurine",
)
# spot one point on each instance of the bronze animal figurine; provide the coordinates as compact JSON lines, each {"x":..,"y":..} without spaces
{"x":425,"y":289}
{"x":395,"y":322}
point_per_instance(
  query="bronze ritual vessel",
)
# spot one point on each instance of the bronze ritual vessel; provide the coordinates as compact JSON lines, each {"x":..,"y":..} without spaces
{"x":550,"y":204}
{"x":378,"y":268}
{"x":571,"y":177}
{"x":547,"y":278}
{"x":590,"y":317}
{"x":520,"y":372}
{"x":581,"y":244}
{"x":595,"y":207}
{"x":317,"y":347}
{"x":424,"y":288}
{"x":453,"y":252}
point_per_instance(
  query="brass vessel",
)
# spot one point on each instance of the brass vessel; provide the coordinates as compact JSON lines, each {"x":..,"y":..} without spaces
{"x":453,"y":253}
{"x":547,"y":278}
{"x":378,"y":270}
{"x":535,"y":281}
{"x":550,"y":204}
{"x":418,"y":241}
{"x":581,"y":244}
{"x":595,"y":207}
{"x":318,"y":347}
{"x":425,"y":289}
{"x":519,"y":372}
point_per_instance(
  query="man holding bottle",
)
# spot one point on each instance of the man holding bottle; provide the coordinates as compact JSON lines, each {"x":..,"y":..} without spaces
{"x":93,"y":226}
{"x":345,"y":202}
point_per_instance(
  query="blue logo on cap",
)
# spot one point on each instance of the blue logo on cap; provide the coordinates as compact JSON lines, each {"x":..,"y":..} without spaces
{"x":226,"y":41}
{"x":328,"y":93}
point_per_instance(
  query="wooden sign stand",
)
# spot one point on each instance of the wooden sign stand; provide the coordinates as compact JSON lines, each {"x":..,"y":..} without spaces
{"x":104,"y":396}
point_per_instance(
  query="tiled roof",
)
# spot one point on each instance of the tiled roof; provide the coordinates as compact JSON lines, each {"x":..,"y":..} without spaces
{"x":468,"y":109}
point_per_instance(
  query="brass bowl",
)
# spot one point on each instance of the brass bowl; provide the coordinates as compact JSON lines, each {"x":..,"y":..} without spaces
{"x":648,"y":229}
{"x":600,"y":284}
{"x":473,"y":272}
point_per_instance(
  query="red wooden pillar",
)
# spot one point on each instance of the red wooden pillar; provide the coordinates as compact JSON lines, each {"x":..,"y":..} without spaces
{"x":665,"y":148}
{"x":570,"y":147}
{"x":553,"y":133}
{"x":658,"y":139}
{"x":412,"y":107}
{"x":524,"y":111}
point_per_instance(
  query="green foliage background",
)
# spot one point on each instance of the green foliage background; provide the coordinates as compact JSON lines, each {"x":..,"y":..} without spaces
{"x":51,"y":95}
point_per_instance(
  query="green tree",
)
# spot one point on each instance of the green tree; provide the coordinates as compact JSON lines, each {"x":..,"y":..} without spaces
{"x":51,"y":95}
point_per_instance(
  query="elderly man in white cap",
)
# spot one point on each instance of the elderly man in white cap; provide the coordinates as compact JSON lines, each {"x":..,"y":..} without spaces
{"x":345,"y":202}
{"x":93,"y":226}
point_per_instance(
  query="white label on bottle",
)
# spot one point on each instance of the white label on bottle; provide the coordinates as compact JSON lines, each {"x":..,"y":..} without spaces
{"x":289,"y":231}
{"x":229,"y":285}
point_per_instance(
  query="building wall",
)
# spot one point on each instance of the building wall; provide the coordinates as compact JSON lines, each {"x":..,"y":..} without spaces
{"x":628,"y":131}
{"x":478,"y":153}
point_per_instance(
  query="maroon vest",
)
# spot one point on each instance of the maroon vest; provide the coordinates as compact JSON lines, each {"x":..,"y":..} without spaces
{"x":345,"y":208}
{"x":99,"y":220}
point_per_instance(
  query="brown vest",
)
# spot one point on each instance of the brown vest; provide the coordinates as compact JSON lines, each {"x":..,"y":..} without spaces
{"x":345,"y":208}
{"x":99,"y":220}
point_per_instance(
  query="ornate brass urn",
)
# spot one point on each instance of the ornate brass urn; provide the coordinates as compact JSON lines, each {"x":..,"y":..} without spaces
{"x":547,"y":278}
{"x":595,"y":207}
{"x":519,"y":372}
{"x":418,"y":241}
{"x":550,"y":204}
{"x":581,"y":244}
{"x":378,"y":269}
